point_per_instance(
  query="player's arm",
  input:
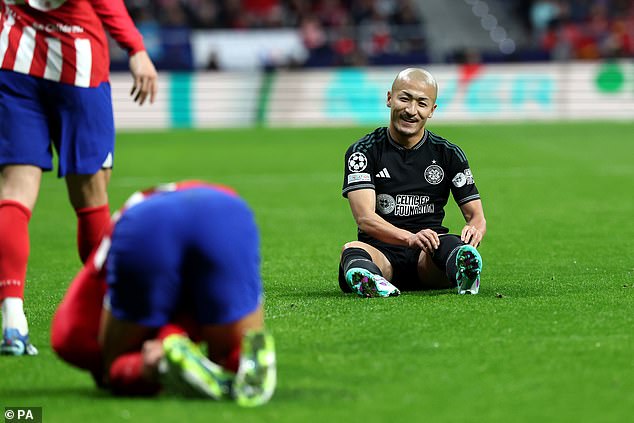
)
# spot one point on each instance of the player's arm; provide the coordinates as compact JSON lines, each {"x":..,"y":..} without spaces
{"x":476,"y":225}
{"x":363,"y":203}
{"x":117,"y":21}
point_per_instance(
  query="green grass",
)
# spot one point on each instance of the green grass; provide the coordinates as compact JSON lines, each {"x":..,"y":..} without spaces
{"x":549,"y":338}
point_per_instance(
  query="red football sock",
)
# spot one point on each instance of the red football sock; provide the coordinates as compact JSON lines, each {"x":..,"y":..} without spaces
{"x":126,"y":376}
{"x":14,"y":248}
{"x":233,"y":359}
{"x":91,"y":225}
{"x":170,"y":329}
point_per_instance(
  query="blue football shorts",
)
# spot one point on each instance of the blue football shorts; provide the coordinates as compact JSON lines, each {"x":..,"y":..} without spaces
{"x":192,"y":252}
{"x":37,"y":115}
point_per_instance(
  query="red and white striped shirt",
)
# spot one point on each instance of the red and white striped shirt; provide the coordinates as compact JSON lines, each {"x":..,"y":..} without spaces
{"x":64,"y":40}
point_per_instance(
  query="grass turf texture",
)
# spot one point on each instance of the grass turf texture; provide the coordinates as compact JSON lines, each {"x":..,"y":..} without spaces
{"x":549,"y":338}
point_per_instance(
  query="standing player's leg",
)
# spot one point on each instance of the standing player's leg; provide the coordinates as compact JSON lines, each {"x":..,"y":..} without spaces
{"x":88,"y":196}
{"x":19,"y":186}
{"x":24,"y":153}
{"x":363,"y":269}
{"x":453,"y":264}
{"x":82,"y":129}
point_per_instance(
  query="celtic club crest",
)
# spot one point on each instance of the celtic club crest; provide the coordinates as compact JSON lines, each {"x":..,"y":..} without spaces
{"x":434,"y":174}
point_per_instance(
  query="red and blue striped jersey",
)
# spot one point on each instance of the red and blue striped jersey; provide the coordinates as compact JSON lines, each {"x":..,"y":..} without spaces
{"x":64,"y":40}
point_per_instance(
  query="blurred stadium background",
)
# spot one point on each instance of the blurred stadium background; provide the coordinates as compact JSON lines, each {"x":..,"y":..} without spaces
{"x":236,"y":63}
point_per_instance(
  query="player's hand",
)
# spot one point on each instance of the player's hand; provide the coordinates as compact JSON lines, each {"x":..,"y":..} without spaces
{"x":151,"y":353}
{"x":145,"y":77}
{"x":471,"y":235}
{"x":427,"y":240}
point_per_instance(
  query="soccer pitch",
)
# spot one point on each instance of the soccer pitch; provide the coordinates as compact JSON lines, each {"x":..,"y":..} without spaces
{"x":550,"y":337}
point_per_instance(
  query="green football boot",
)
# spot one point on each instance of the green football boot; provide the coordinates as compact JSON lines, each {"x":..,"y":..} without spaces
{"x":469,"y":264}
{"x":255,"y":381}
{"x":185,"y":370}
{"x":366,"y":284}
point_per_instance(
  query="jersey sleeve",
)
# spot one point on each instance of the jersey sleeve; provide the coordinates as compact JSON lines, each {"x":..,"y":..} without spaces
{"x":358,"y":170}
{"x":463,"y":186}
{"x":115,"y":18}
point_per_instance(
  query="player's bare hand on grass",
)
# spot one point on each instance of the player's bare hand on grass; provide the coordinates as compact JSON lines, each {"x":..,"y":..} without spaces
{"x":427,"y":240}
{"x":471,"y":235}
{"x":145,"y":78}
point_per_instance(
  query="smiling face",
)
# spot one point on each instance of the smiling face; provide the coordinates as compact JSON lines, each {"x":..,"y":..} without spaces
{"x":412,"y":101}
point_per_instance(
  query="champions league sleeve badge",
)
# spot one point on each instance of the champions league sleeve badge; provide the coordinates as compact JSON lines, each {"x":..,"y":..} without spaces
{"x":357,"y":162}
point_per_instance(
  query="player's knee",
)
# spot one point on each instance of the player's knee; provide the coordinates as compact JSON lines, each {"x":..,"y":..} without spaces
{"x":88,"y":190}
{"x":72,"y":344}
{"x":352,"y":244}
{"x":355,"y":255}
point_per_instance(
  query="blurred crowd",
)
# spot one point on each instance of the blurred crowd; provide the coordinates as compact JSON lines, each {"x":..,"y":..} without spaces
{"x":581,"y":29}
{"x":335,"y":32}
{"x":385,"y":32}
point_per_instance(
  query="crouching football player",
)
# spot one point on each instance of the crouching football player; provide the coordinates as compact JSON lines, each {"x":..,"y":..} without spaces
{"x":179,"y":265}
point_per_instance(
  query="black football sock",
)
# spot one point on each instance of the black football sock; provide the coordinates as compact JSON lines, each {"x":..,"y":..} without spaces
{"x":445,"y":256}
{"x":355,"y":257}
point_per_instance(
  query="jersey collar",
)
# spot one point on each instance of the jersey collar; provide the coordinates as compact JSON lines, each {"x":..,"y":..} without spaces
{"x":418,"y":145}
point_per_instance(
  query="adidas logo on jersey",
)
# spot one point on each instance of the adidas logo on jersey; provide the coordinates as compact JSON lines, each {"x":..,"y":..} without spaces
{"x":383,"y":174}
